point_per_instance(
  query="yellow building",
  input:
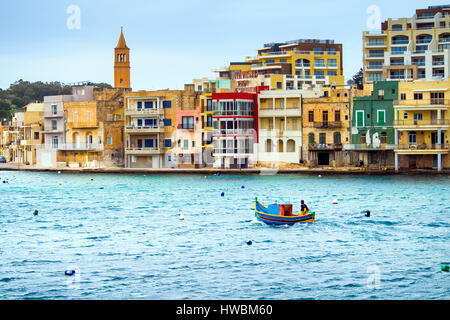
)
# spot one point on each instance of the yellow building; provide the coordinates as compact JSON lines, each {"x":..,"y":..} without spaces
{"x":151,"y":126}
{"x":409,"y":48}
{"x":289,"y":65}
{"x":326,"y":123}
{"x":94,"y":130}
{"x":31,"y":132}
{"x":421,"y":123}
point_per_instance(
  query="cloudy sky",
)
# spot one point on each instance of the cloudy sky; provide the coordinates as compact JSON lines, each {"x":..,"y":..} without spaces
{"x":174,"y":41}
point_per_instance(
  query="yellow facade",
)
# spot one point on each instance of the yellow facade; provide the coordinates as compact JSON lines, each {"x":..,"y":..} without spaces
{"x":421,"y":120}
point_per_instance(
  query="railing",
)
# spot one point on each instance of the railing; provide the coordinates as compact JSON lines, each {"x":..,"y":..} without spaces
{"x":185,"y":127}
{"x":332,"y":65}
{"x":218,"y":132}
{"x":444,"y":40}
{"x":143,"y":150}
{"x":325,"y":146}
{"x":233,"y":151}
{"x":397,"y":63}
{"x":302,"y":65}
{"x":400,"y":41}
{"x":50,"y":114}
{"x":372,"y":67}
{"x":319,"y":65}
{"x":424,"y":147}
{"x":363,"y":146}
{"x":376,"y":44}
{"x":418,"y":63}
{"x":438,"y":63}
{"x":144,"y":111}
{"x":423,"y":40}
{"x":233,"y":113}
{"x":418,"y":51}
{"x":423,"y":102}
{"x":425,"y":28}
{"x":82,"y":124}
{"x":375,"y":55}
{"x":419,"y":123}
{"x":80,"y":146}
{"x":144,"y":128}
{"x":328,"y":124}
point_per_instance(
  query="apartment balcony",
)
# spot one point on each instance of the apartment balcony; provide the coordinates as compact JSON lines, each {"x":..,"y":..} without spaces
{"x":52,"y":131}
{"x":233,"y":132}
{"x":397,"y":42}
{"x":424,"y":104}
{"x":302,"y":65}
{"x":144,"y":112}
{"x":50,"y":114}
{"x":422,"y":148}
{"x":280,"y":112}
{"x":374,"y":68}
{"x":431,"y":124}
{"x":265,"y":66}
{"x":327,"y":124}
{"x":438,"y":63}
{"x":144,"y":151}
{"x":365,"y":147}
{"x":224,"y":152}
{"x":144,"y":129}
{"x":319,"y":66}
{"x":231,"y":113}
{"x":80,"y":146}
{"x":375,"y":44}
{"x":325,"y":147}
{"x":185,"y":127}
{"x":444,"y":40}
{"x":82,"y":125}
{"x":332,"y":66}
{"x":374,"y":56}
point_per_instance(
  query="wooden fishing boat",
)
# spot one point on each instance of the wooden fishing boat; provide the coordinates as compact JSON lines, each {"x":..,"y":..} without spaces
{"x":281,"y":214}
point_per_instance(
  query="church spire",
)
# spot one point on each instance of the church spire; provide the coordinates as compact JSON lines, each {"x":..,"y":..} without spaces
{"x":122,"y":44}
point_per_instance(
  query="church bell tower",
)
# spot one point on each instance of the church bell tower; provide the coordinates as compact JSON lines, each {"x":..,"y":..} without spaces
{"x":122,"y":64}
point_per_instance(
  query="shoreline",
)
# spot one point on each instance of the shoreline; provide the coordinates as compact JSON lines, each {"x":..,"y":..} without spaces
{"x":213,"y":171}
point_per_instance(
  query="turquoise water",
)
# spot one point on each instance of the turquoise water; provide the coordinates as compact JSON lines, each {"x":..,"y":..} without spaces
{"x":123,"y":236}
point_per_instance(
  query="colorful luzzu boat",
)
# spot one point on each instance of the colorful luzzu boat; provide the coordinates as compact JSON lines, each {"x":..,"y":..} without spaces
{"x":280,"y":214}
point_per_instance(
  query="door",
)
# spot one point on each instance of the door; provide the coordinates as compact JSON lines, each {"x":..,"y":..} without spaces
{"x":139,"y":143}
{"x":323,"y":159}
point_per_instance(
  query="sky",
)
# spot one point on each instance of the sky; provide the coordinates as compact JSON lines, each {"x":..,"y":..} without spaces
{"x":173,"y":42}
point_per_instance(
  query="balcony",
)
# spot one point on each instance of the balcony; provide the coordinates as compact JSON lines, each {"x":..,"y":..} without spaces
{"x":425,"y":104}
{"x":185,"y":127}
{"x":422,"y":148}
{"x":232,"y":151}
{"x":144,"y":151}
{"x":395,"y":42}
{"x":365,"y":147}
{"x":374,"y":68}
{"x":325,"y":146}
{"x":438,"y":63}
{"x":430,"y":124}
{"x":375,"y":56}
{"x":227,"y":132}
{"x":375,"y":44}
{"x":144,"y":112}
{"x":50,"y":114}
{"x":242,"y":113}
{"x":144,"y":129}
{"x":328,"y":124}
{"x":303,"y":65}
{"x":81,"y":146}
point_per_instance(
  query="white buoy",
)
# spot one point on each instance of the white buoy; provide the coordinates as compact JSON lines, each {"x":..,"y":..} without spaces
{"x":59,"y":172}
{"x":181,"y":217}
{"x":335,"y":201}
{"x":320,"y":176}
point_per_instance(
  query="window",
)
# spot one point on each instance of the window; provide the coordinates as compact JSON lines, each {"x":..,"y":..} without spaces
{"x":418,"y":96}
{"x":139,"y":105}
{"x":381,"y":117}
{"x":133,"y":159}
{"x":362,"y":138}
{"x":332,"y":73}
{"x":319,"y":63}
{"x":167,"y":122}
{"x":54,"y":125}
{"x":360,"y":118}
{"x":54,"y":109}
{"x":109,"y":139}
{"x":279,"y":85}
{"x":311,"y":138}
{"x":337,"y":115}
{"x":397,"y":27}
{"x":403,"y":96}
{"x":383,"y":137}
{"x":405,"y":115}
{"x":148,"y":143}
{"x":55,"y":142}
{"x":418,"y":116}
{"x":322,"y":138}
{"x":311,"y":116}
{"x":337,"y":138}
{"x":412,"y":137}
{"x":188,"y":122}
{"x":148,"y":104}
{"x":168,"y":143}
{"x":332,"y":63}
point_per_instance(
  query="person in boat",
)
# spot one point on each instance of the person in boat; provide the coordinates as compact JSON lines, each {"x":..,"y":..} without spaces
{"x":304,"y":208}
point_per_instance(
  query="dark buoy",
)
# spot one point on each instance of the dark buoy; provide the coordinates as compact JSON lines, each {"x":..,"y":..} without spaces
{"x":69,"y":272}
{"x":35,"y":212}
{"x":102,"y":188}
{"x":445,"y":266}
{"x":249,"y":242}
{"x":222,"y":194}
{"x":367,"y":213}
{"x":242,"y":187}
{"x":92,"y":179}
{"x":218,"y":173}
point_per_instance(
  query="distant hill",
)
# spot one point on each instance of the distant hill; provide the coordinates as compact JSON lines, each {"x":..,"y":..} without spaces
{"x":20,"y":93}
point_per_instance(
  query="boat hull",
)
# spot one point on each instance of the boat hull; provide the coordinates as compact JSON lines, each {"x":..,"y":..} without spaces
{"x":262,"y":215}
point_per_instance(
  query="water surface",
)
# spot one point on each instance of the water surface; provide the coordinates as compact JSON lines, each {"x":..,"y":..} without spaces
{"x":123,"y":236}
